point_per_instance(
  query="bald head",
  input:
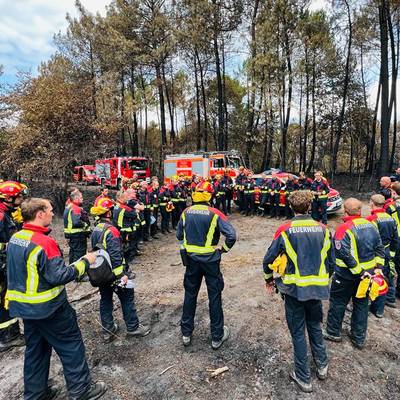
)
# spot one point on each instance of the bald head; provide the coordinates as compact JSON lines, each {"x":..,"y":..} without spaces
{"x":352,"y":206}
{"x":385,"y":181}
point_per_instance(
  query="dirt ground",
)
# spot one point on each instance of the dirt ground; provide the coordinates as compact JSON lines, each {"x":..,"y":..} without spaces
{"x":258,"y":354}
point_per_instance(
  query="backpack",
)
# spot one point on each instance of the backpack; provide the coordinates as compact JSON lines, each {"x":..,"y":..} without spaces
{"x":100,"y":273}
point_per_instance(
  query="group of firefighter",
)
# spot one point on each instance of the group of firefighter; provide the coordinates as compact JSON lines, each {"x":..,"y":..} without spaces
{"x":363,"y":257}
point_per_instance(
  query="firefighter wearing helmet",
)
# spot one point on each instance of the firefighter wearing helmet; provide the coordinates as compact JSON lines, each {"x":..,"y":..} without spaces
{"x":198,"y":231}
{"x":109,"y":237}
{"x":11,"y":196}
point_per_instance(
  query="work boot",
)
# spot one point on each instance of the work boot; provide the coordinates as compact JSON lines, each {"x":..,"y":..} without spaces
{"x":169,"y":230}
{"x":332,"y":338}
{"x":95,"y":391}
{"x":377,"y":315}
{"x":140,"y":331}
{"x":391,"y":304}
{"x":186,"y":340}
{"x":270,"y":216}
{"x":52,"y":392}
{"x":322,"y":373}
{"x":303,"y":386}
{"x":216,"y":344}
{"x":354,"y":342}
{"x":156,"y":237}
{"x":17,"y":341}
{"x":109,"y":335}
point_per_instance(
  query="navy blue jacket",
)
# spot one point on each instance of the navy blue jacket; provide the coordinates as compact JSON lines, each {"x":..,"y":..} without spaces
{"x":358,"y":248}
{"x":322,"y":187}
{"x":199,"y":231}
{"x":310,"y":259}
{"x":37,"y":273}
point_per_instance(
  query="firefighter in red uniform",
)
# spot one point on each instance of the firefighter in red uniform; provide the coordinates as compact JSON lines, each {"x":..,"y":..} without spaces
{"x":109,"y":237}
{"x":176,"y":193}
{"x":36,"y":293}
{"x":306,"y":247}
{"x":198,"y":231}
{"x":154,"y":193}
{"x":359,"y":252}
{"x":11,"y":196}
{"x":104,"y":193}
{"x":76,"y":226}
{"x":262,"y":209}
{"x":249,"y":186}
{"x":390,"y":239}
{"x":228,"y":183}
{"x":240,"y":179}
{"x":275,"y":187}
{"x":304,"y":182}
{"x":290,"y":186}
{"x":144,"y":197}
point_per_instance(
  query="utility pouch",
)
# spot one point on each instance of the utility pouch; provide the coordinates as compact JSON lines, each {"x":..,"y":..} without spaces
{"x":184,"y":257}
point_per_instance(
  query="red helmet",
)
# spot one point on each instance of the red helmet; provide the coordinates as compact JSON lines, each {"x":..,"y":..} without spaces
{"x":204,"y":186}
{"x":10,"y":189}
{"x":383,"y":286}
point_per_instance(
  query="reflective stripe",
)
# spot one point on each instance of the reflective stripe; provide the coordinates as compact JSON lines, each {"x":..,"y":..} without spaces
{"x":32,"y":279}
{"x":118,"y":270}
{"x":267,"y":276}
{"x":322,"y":279}
{"x":120,"y":221}
{"x":392,"y":253}
{"x":80,"y":267}
{"x":8,"y":323}
{"x":69,"y":228}
{"x":40,"y":297}
{"x":380,"y":260}
{"x":207,"y":248}
{"x":225,"y":247}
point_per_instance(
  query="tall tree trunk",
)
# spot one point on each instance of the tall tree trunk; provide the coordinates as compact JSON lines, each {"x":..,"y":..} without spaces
{"x":160,"y":86}
{"x":93,"y":81}
{"x":345,"y":90}
{"x":170,"y":110}
{"x":300,"y":122}
{"x":366,"y":108}
{"x":123,"y":121}
{"x":314,"y":124}
{"x":224,"y":102}
{"x":145,"y":139}
{"x":373,"y":134}
{"x":385,"y":116}
{"x":198,"y":126}
{"x":304,"y":166}
{"x":221,"y":114}
{"x":135,"y":133}
{"x":204,"y":102}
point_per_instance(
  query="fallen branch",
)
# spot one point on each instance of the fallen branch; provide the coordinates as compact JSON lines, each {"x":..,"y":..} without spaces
{"x":84,"y":296}
{"x":219,"y":371}
{"x":166,"y":369}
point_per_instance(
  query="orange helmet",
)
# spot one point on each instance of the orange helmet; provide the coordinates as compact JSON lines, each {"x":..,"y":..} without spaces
{"x":11,"y":189}
{"x":383,"y":286}
{"x":103,"y":205}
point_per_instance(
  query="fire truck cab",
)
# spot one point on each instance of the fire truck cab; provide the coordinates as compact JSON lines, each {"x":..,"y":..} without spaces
{"x":112,"y":171}
{"x":204,"y":164}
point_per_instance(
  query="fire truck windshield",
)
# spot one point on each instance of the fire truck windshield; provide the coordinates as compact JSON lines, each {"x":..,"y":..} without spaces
{"x":137,"y":165}
{"x":234,"y":162}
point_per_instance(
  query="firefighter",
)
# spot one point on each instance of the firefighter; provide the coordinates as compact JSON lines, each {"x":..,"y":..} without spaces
{"x":359,"y":253}
{"x":228,"y":183}
{"x":304,"y":182}
{"x":220,"y":193}
{"x":133,"y":202}
{"x":198,"y":232}
{"x":240,"y":179}
{"x":176,"y":193}
{"x":394,"y":211}
{"x":184,"y":193}
{"x":154,"y":193}
{"x":290,"y":186}
{"x":11,"y":196}
{"x":320,"y":190}
{"x":145,"y":198}
{"x":385,"y":187}
{"x":396,"y":176}
{"x":124,"y":218}
{"x":275,"y":187}
{"x":248,"y":192}
{"x":49,"y":320}
{"x":264,"y":184}
{"x":390,"y":239}
{"x":104,"y":193}
{"x":110,"y":238}
{"x":165,"y":207}
{"x":306,"y":247}
{"x":76,"y":226}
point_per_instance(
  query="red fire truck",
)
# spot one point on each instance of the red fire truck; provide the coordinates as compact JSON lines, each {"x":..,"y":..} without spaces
{"x":85,"y":174}
{"x":205,"y":164}
{"x":112,"y":171}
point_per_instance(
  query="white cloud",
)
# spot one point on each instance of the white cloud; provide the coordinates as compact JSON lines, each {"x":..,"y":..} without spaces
{"x":27,"y":28}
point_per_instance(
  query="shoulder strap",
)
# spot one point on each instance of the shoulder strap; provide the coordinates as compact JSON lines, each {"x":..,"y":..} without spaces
{"x":103,"y":233}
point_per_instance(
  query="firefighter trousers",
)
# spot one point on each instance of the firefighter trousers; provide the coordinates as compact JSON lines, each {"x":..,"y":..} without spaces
{"x":274,"y":204}
{"x":302,"y":315}
{"x":165,"y":216}
{"x":318,"y":210}
{"x":77,"y":247}
{"x":194,"y":274}
{"x":176,"y":214}
{"x":127,"y":300}
{"x":342,"y":290}
{"x":60,"y":332}
{"x":220,"y":203}
{"x":9,"y":327}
